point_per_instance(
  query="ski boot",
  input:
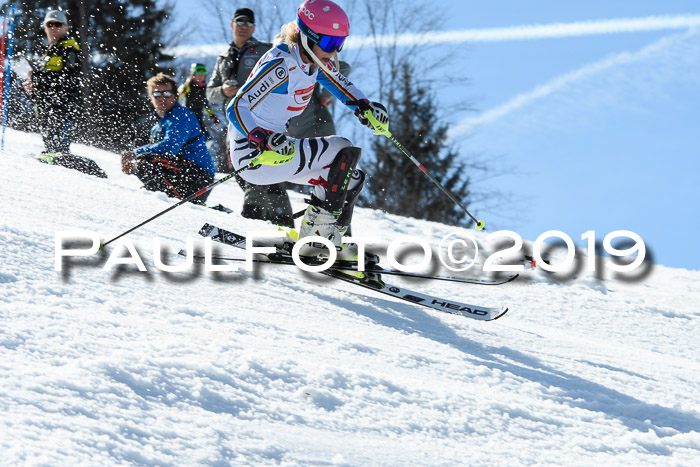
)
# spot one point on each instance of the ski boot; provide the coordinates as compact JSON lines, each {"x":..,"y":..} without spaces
{"x":320,"y":222}
{"x":371,"y":260}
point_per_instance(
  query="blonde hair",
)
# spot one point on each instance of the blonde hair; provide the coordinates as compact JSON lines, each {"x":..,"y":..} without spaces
{"x":290,"y":34}
{"x":159,"y":80}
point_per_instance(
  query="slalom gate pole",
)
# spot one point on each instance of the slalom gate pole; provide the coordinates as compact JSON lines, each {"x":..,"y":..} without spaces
{"x":266,"y":158}
{"x":383,"y":129}
{"x":2,"y":66}
{"x":8,"y":71}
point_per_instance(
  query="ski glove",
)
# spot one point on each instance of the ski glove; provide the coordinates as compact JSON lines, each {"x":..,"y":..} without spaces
{"x":266,"y":140}
{"x":378,"y":111}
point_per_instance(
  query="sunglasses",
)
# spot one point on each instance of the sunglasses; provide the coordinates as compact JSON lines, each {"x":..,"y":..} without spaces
{"x":157,"y":94}
{"x":54,"y":25}
{"x":239,"y":22}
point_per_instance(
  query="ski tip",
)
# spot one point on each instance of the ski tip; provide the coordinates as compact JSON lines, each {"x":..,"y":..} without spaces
{"x":503,"y":312}
{"x":206,"y":229}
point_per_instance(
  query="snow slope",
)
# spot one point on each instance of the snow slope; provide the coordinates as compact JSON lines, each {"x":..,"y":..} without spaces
{"x":280,"y":367}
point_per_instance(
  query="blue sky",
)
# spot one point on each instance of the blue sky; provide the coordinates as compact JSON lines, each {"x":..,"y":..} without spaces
{"x":600,"y":130}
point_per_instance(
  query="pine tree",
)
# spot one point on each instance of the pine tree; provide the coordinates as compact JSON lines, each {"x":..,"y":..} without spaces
{"x":120,"y":42}
{"x":396,"y":185}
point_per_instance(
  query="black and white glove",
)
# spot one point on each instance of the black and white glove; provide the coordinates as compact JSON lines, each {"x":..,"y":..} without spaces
{"x":266,"y":140}
{"x":378,"y":111}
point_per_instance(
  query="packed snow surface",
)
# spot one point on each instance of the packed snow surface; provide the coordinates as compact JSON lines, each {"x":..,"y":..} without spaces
{"x":276,"y":366}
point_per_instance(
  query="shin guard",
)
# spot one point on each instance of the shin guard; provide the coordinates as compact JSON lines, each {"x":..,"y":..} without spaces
{"x":350,"y":200}
{"x":339,"y":177}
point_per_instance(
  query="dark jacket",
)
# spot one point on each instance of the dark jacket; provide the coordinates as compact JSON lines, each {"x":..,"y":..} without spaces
{"x":56,"y":77}
{"x":316,"y":120}
{"x":193,"y":96}
{"x":236,"y":64}
{"x":179,"y":133}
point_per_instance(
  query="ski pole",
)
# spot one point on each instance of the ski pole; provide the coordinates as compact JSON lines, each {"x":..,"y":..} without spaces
{"x":383,"y":129}
{"x":266,"y":158}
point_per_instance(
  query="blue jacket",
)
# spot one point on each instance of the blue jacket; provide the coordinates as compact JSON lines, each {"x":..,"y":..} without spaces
{"x":179,"y":133}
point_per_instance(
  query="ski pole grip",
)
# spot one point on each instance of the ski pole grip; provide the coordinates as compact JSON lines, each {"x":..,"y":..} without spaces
{"x":379,"y":128}
{"x":272,"y":158}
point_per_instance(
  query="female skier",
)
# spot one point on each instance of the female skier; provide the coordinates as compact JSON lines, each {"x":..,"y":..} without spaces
{"x":279,"y":88}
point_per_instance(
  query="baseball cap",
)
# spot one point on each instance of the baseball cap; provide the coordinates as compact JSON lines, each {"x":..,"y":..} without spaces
{"x":244,"y":13}
{"x":56,"y":16}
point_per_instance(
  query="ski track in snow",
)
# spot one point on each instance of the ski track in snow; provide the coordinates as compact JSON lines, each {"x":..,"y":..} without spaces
{"x":277,"y":366}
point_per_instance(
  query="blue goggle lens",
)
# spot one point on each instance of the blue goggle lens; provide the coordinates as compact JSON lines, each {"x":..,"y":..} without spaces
{"x":331,"y":43}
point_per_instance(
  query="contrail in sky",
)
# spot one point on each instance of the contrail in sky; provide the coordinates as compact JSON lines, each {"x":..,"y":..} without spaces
{"x":467,"y":124}
{"x":541,"y":31}
{"x":510,"y":33}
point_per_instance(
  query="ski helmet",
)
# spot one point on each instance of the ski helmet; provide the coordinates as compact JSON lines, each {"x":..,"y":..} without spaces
{"x":198,"y":68}
{"x":324,"y":23}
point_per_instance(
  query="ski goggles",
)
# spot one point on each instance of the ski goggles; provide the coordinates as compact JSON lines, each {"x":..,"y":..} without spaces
{"x":157,"y":94}
{"x":200,"y":69}
{"x":328,"y":44}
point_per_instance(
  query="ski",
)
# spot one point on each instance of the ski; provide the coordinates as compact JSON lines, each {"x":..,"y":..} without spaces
{"x":284,"y":259}
{"x":71,"y":161}
{"x":418,"y":298}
